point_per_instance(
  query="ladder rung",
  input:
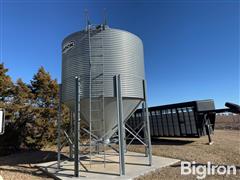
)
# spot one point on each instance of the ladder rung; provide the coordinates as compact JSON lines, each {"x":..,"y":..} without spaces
{"x":96,"y":38}
{"x":98,"y":83}
{"x":97,"y":106}
{"x":98,"y":66}
{"x":97,"y":70}
{"x":98,"y":73}
{"x":97,"y":130}
{"x":97,"y":80}
{"x":97,"y":76}
{"x":100,"y":47}
{"x":96,"y":120}
{"x":95,"y":110}
{"x":97,"y":62}
{"x":100,"y":55}
{"x":97,"y":92}
{"x":93,"y":103}
{"x":96,"y":89}
{"x":95,"y":96}
{"x":98,"y":100}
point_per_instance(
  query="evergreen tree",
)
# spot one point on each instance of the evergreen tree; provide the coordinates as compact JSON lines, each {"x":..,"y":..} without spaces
{"x":31,"y":111}
{"x":6,"y":92}
{"x":25,"y":115}
{"x":22,"y":93}
{"x":9,"y":141}
{"x":45,"y":89}
{"x":6,"y":85}
{"x":45,"y":94}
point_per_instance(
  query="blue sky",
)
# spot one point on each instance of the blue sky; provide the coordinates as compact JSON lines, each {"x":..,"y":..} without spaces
{"x":191,"y":47}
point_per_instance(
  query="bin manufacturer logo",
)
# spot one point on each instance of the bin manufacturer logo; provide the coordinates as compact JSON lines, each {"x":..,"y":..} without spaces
{"x":68,"y":46}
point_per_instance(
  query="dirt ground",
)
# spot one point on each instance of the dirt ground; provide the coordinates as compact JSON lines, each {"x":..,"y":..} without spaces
{"x":224,"y":151}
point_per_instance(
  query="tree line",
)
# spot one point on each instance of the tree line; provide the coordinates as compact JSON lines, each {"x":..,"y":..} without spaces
{"x":31,"y":111}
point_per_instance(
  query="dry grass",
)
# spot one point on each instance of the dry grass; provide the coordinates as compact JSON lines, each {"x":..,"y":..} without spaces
{"x":224,"y":151}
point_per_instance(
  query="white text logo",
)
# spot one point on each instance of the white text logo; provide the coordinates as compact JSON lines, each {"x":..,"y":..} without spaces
{"x":202,"y":170}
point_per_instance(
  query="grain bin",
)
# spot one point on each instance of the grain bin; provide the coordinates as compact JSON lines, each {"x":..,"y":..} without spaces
{"x":96,"y":56}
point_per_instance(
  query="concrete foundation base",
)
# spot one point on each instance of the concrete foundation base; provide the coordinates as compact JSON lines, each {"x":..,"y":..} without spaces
{"x":136,"y":165}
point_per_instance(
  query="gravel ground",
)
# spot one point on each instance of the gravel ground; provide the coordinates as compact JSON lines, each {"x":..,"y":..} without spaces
{"x":224,"y":151}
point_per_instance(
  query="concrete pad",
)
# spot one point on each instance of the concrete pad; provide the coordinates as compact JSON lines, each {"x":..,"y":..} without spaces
{"x":136,"y":164}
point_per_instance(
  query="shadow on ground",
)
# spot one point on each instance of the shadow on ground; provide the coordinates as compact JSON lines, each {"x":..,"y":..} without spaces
{"x":159,"y":141}
{"x":28,"y":157}
{"x":176,"y":142}
{"x":24,"y":170}
{"x":23,"y":162}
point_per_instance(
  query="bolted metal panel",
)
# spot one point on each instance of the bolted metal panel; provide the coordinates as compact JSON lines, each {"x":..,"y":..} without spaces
{"x":123,"y":54}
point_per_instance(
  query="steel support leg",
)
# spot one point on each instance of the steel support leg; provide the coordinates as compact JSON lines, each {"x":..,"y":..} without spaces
{"x":207,"y":128}
{"x":124,"y":138}
{"x":71,"y":135}
{"x":59,"y":121}
{"x":120,"y":126}
{"x":76,"y":128}
{"x":208,"y":134}
{"x":147,"y":127}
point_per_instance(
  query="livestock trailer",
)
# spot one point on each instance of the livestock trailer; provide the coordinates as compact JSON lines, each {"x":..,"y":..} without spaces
{"x":178,"y":120}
